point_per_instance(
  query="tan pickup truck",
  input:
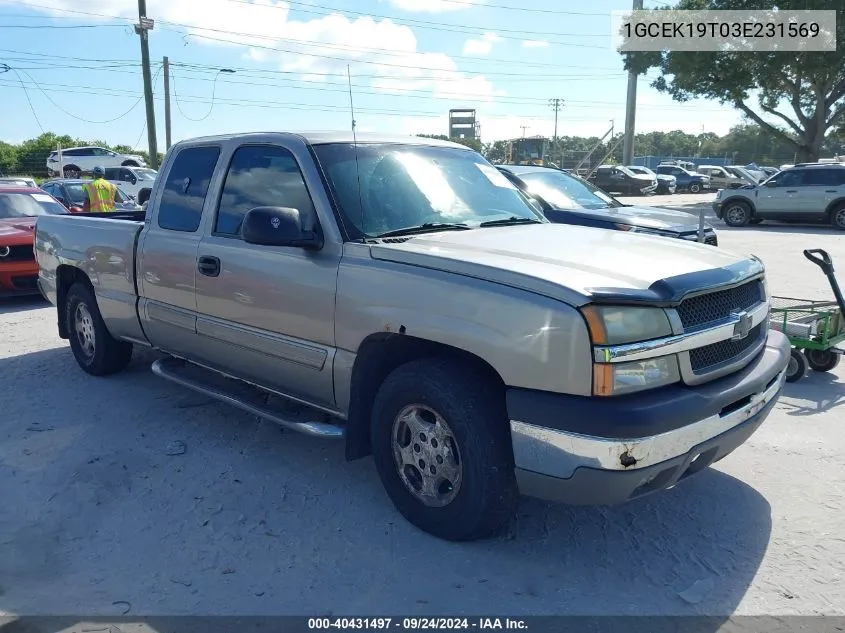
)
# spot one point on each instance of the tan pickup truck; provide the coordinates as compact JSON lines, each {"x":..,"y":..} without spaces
{"x":412,"y":302}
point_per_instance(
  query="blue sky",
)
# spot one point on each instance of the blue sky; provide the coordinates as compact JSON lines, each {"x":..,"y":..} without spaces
{"x":411,"y":61}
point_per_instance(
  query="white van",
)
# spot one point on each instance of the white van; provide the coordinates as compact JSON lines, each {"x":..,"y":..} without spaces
{"x":131,"y":179}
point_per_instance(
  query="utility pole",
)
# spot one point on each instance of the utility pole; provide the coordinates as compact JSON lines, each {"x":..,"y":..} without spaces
{"x":166,"y":66}
{"x":630,"y":109}
{"x":556,"y":105}
{"x":143,"y":27}
{"x":523,"y":128}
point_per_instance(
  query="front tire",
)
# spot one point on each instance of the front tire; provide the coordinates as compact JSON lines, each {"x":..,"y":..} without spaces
{"x":694,"y":187}
{"x":822,"y":360}
{"x":837,"y":217}
{"x":96,"y":351}
{"x":797,"y":367}
{"x":442,"y":448}
{"x":737,"y":214}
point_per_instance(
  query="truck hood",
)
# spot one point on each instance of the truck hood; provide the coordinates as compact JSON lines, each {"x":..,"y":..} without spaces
{"x":558,"y":260}
{"x":16,"y":230}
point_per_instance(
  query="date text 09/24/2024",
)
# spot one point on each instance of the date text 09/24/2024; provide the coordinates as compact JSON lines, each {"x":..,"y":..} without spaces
{"x":416,"y":624}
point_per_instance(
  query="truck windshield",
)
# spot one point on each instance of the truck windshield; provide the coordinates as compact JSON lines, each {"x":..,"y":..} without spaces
{"x":563,"y":191}
{"x":27,"y":205}
{"x":403,"y":186}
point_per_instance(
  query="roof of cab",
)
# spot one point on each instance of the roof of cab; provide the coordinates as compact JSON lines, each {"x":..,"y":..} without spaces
{"x":322,"y":138}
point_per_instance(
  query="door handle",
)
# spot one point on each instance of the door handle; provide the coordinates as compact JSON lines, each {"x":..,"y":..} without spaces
{"x":831,"y":191}
{"x":208,"y":266}
{"x":791,"y":191}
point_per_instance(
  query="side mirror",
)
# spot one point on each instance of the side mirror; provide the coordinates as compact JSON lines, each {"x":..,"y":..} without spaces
{"x":278,"y":226}
{"x":771,"y":184}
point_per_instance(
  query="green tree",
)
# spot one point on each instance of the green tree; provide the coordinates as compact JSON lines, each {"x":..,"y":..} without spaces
{"x":8,"y":158}
{"x":472,"y":143}
{"x":804,"y":91}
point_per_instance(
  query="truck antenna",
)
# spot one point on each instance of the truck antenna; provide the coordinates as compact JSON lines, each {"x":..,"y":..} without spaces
{"x":355,"y":143}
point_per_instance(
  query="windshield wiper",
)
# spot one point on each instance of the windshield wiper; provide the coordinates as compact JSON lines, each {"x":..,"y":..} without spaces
{"x":428,"y":227}
{"x":511,"y":220}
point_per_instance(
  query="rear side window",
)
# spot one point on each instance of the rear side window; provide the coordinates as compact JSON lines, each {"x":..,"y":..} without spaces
{"x":112,"y":173}
{"x":825,"y":177}
{"x":186,"y":187}
{"x":260,"y":176}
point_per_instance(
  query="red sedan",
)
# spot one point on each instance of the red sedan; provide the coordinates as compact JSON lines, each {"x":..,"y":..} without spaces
{"x":19,"y":208}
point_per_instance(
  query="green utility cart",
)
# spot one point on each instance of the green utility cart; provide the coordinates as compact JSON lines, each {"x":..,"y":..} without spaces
{"x":814,"y":328}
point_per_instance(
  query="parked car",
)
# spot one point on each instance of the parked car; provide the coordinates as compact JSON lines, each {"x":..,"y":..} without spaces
{"x":18,"y":181}
{"x":79,"y":160}
{"x":19,"y":208}
{"x":131,"y":179}
{"x":744,"y":174}
{"x":769,"y":171}
{"x":720,"y":177}
{"x":71,"y":193}
{"x":619,"y":179}
{"x":686,"y":180}
{"x":665,"y":184}
{"x":413,"y":302}
{"x":567,"y":200}
{"x":804,"y":193}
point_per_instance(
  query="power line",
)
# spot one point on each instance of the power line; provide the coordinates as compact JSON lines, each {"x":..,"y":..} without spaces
{"x":7,"y":68}
{"x":425,"y":24}
{"x":512,"y":8}
{"x":60,"y":26}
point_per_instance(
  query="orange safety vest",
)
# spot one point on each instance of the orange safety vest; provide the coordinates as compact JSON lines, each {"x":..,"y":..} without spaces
{"x":101,"y":195}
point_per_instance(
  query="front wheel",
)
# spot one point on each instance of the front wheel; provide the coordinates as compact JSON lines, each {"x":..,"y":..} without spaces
{"x":95,"y":349}
{"x":797,"y":367}
{"x":837,"y":217}
{"x":694,"y":187}
{"x":441,"y":445}
{"x":822,"y":359}
{"x":737,"y":214}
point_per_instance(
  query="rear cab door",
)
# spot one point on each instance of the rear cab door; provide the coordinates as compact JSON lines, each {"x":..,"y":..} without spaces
{"x":266,"y":313}
{"x":167,"y":251}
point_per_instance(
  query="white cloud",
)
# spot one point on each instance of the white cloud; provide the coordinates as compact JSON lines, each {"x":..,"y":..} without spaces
{"x":433,"y":6}
{"x":311,"y":47}
{"x":535,"y":44}
{"x":481,"y":46}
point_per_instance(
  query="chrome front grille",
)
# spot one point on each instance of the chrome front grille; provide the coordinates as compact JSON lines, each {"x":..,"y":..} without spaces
{"x":710,"y":356}
{"x":705,"y":309}
{"x":712,"y":309}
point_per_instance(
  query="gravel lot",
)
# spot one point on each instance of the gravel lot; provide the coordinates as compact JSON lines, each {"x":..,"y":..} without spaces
{"x":253,"y":520}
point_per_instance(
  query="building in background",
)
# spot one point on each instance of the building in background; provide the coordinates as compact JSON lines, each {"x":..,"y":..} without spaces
{"x":462,"y":124}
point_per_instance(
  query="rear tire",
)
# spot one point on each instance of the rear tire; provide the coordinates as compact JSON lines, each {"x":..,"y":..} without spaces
{"x":72,"y":171}
{"x":797,"y":367}
{"x":837,"y":217}
{"x":129,"y":163}
{"x":95,"y":349}
{"x":737,"y":214}
{"x":822,"y":360}
{"x":442,"y":448}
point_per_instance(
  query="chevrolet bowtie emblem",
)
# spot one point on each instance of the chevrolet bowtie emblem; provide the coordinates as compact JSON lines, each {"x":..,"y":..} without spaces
{"x":743,"y":325}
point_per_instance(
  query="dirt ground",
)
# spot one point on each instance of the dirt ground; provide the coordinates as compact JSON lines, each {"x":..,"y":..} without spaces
{"x":99,"y":515}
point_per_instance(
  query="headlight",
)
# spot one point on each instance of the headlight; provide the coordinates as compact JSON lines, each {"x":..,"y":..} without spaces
{"x":618,"y":325}
{"x":621,"y":378}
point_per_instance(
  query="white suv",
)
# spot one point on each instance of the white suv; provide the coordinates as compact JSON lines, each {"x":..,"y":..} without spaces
{"x":79,"y":160}
{"x":805,"y":193}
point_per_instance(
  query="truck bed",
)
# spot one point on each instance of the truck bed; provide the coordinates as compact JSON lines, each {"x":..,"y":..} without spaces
{"x":102,"y":247}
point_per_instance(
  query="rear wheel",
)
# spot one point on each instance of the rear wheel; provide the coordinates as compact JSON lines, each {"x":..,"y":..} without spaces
{"x":837,"y":217}
{"x":441,"y":445}
{"x":822,"y":360}
{"x":694,"y":187}
{"x":95,"y":349}
{"x":130,"y":163}
{"x":797,"y":367}
{"x":72,"y":171}
{"x":737,"y":214}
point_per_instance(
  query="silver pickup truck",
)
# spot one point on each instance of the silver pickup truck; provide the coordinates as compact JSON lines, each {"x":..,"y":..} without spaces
{"x":403,"y":296}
